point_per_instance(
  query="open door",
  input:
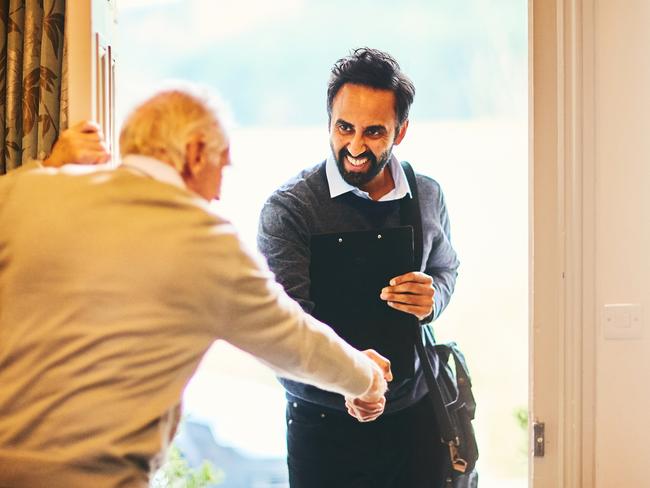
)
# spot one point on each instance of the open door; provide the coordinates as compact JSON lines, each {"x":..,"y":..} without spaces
{"x":90,"y":31}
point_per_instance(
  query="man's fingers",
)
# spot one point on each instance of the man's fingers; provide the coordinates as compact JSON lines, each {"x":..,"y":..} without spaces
{"x":83,"y":143}
{"x":411,"y":293}
{"x":75,"y":139}
{"x":419,"y":312}
{"x":364,"y":412}
{"x":363,"y":418}
{"x":410,"y":287}
{"x":362,"y":405}
{"x":415,"y":276}
{"x":405,"y":299}
{"x":408,"y":299}
{"x":90,"y":151}
{"x":90,"y":156}
{"x":88,"y":126}
{"x":83,"y":137}
{"x":98,"y":145}
{"x":381,"y":361}
{"x":369,"y":407}
{"x":98,"y":157}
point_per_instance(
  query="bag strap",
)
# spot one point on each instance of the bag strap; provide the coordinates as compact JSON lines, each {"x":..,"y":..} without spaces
{"x":410,"y":214}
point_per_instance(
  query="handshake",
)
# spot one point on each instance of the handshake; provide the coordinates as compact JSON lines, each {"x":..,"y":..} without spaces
{"x":370,"y":405}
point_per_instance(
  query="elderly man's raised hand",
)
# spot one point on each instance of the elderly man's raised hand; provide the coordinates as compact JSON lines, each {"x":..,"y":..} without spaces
{"x":83,"y":143}
{"x":370,"y":405}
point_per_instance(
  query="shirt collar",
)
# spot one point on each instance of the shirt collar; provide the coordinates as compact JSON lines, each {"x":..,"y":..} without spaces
{"x":154,"y":168}
{"x":338,"y":186}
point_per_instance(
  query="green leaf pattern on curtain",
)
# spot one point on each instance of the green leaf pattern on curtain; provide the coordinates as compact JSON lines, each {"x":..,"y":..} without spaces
{"x":31,"y":58}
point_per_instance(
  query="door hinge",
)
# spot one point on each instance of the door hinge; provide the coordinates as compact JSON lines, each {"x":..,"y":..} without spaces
{"x":539,"y":439}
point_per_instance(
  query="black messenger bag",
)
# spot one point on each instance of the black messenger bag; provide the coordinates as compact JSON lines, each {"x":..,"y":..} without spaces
{"x":445,"y":372}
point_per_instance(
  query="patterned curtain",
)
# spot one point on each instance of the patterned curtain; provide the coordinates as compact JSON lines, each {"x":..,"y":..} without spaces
{"x":31,"y":58}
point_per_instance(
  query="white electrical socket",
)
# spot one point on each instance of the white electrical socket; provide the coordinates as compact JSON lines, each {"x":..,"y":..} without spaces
{"x":623,"y":321}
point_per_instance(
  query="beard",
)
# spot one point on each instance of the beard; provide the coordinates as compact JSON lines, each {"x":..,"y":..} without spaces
{"x":360,"y":179}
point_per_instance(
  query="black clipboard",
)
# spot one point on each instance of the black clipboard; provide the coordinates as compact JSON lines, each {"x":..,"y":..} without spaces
{"x":348,"y":271}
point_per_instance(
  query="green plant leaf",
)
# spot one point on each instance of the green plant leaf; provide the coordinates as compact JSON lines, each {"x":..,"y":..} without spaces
{"x":176,"y":473}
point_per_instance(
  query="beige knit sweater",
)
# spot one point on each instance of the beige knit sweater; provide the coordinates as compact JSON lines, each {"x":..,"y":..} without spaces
{"x":112,"y":287}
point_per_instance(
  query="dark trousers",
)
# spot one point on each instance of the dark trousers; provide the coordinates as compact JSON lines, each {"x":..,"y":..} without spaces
{"x":330,"y":449}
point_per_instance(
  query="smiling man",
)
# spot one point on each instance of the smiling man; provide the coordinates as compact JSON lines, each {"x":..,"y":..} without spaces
{"x":362,"y":135}
{"x":359,"y":187}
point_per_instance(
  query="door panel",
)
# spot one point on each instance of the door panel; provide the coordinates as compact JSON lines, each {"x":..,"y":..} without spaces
{"x":90,"y":34}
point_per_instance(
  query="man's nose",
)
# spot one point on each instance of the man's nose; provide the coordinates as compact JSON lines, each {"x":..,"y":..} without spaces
{"x":357,"y":146}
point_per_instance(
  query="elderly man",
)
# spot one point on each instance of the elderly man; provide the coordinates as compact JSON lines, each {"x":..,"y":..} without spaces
{"x":360,"y":186}
{"x":114,"y":283}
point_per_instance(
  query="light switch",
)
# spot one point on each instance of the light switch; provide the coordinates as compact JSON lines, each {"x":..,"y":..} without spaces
{"x":623,"y":321}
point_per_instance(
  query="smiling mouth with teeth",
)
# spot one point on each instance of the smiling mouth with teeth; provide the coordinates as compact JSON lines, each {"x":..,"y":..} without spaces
{"x":357,"y":161}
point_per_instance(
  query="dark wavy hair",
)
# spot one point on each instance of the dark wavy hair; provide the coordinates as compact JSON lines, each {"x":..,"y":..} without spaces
{"x":375,"y":69}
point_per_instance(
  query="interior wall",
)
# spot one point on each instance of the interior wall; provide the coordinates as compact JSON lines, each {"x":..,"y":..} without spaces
{"x":622,"y":135}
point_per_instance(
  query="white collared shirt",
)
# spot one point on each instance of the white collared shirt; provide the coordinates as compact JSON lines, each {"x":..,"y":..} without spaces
{"x":338,"y":186}
{"x":154,"y":168}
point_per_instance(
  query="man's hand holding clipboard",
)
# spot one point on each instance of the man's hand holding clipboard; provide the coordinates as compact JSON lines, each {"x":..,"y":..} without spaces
{"x":411,"y":293}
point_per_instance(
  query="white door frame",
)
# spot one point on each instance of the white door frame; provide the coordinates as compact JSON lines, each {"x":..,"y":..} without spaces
{"x":562,"y":234}
{"x":90,"y":28}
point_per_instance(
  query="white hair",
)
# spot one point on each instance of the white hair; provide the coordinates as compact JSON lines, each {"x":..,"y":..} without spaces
{"x":162,"y":125}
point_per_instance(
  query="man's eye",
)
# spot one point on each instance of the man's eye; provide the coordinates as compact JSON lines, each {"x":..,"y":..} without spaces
{"x":374,"y":132}
{"x":345,"y":128}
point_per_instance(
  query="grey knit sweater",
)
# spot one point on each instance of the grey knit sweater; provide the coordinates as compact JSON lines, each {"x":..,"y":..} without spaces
{"x":303,"y":207}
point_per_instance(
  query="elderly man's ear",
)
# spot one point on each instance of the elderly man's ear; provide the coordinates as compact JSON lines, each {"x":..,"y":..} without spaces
{"x":200,"y":174}
{"x":194,"y":156}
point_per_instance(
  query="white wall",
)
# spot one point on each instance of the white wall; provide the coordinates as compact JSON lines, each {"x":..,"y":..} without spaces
{"x":622,"y":130}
